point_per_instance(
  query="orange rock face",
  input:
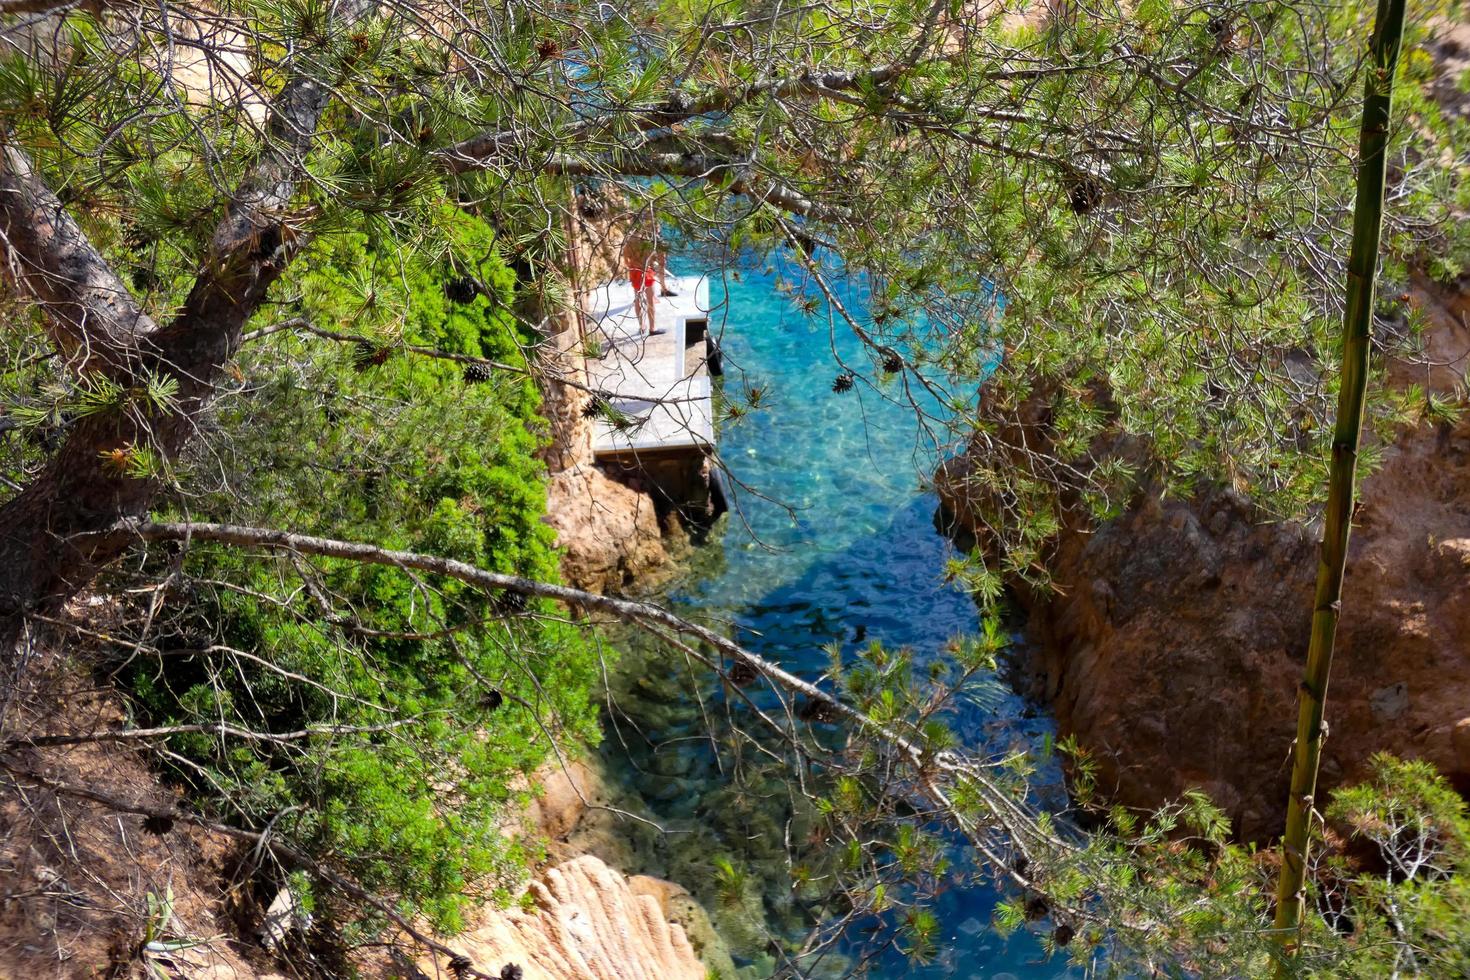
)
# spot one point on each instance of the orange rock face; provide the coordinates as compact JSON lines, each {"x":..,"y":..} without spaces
{"x":1174,"y":642}
{"x":609,"y":532}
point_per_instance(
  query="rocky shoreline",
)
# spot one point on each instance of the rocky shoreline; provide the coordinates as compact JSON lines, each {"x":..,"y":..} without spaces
{"x":1172,"y":643}
{"x":616,"y":534}
{"x":599,"y":907}
{"x":584,"y":915}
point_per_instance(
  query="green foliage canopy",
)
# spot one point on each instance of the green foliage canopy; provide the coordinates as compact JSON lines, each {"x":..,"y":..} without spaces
{"x":1158,"y":191}
{"x":365,"y":441}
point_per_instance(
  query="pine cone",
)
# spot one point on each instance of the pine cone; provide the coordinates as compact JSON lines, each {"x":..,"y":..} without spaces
{"x":818,"y":710}
{"x":842,"y":383}
{"x":1084,"y":194}
{"x":476,"y":373}
{"x":741,"y":673}
{"x":368,"y":354}
{"x":461,"y":290}
{"x":508,"y":603}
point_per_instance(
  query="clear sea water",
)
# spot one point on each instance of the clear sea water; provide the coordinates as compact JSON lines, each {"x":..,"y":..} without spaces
{"x":856,"y":559}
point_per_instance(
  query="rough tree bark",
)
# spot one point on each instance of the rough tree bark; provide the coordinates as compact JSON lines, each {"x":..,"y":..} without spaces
{"x":54,"y":534}
{"x":50,"y":547}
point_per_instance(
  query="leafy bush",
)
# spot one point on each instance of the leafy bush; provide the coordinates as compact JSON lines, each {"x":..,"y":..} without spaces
{"x":449,"y":692}
{"x":1408,"y":897}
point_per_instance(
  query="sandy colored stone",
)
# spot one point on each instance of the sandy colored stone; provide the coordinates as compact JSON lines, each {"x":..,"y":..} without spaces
{"x":682,"y":908}
{"x":565,"y":790}
{"x":585,"y":923}
{"x":1460,"y":743}
{"x":609,"y":531}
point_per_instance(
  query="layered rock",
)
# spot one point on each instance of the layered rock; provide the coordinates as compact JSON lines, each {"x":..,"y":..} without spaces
{"x":584,"y":921}
{"x":601,"y":874}
{"x":1173,"y":643}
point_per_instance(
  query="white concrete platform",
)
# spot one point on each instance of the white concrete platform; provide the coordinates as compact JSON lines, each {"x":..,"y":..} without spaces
{"x":659,"y":385}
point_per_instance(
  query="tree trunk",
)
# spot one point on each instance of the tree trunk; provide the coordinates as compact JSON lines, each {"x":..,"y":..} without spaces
{"x":54,"y":533}
{"x":1357,"y":324}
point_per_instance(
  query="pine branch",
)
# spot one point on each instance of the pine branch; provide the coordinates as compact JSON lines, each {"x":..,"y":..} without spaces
{"x":541,"y":373}
{"x":221,"y":729}
{"x":937,"y":774}
{"x":91,"y":313}
{"x":498,"y":147}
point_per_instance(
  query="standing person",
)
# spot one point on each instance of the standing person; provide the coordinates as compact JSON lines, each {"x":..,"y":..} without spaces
{"x":644,"y":267}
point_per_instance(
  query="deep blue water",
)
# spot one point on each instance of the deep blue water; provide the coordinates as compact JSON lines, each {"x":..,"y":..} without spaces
{"x":856,"y":558}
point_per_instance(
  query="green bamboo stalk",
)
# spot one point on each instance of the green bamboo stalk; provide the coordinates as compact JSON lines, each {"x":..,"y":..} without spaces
{"x":1357,"y":324}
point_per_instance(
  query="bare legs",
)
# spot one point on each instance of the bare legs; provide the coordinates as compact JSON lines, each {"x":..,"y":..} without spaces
{"x":643,"y":304}
{"x":648,"y":303}
{"x":645,"y":269}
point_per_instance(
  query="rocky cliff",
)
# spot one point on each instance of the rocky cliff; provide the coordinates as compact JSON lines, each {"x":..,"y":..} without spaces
{"x":611,"y":532}
{"x":1174,"y":640}
{"x":589,"y":914}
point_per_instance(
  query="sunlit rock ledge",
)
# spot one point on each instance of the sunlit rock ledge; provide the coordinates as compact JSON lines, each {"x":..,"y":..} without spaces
{"x":585,"y":921}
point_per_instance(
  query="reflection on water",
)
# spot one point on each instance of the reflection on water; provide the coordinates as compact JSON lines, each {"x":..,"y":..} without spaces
{"x":855,"y":559}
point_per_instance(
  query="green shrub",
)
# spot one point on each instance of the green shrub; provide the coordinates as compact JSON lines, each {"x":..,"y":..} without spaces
{"x":364,"y":440}
{"x":1409,"y":832}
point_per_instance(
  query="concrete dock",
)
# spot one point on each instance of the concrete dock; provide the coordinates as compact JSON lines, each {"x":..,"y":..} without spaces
{"x":658,"y":387}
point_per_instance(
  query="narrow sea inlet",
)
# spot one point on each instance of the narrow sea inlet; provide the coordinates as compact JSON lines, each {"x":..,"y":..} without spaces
{"x":831,"y":539}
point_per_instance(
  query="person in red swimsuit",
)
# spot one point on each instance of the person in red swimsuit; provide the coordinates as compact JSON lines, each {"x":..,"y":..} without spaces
{"x":646,"y":265}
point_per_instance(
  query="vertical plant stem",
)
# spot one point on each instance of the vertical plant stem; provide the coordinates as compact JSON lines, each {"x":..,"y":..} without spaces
{"x":1357,"y":324}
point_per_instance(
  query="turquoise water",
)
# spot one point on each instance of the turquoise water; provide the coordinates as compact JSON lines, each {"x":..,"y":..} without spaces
{"x":855,"y":559}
